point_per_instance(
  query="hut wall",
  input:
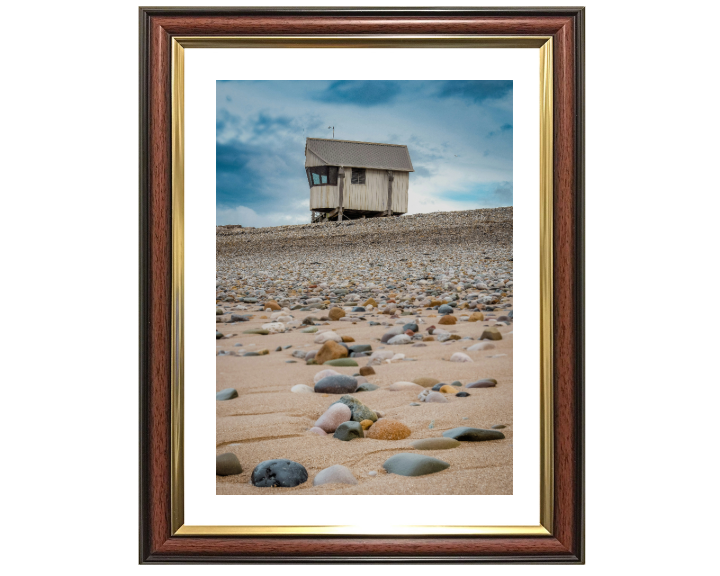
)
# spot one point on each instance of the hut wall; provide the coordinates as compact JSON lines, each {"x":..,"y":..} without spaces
{"x":324,"y":197}
{"x":401,"y":184}
{"x":371,"y":196}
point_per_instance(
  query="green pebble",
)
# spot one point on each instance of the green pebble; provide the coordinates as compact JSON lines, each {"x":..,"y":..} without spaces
{"x":341,"y":362}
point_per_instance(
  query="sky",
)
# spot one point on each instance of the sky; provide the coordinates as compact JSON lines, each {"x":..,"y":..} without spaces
{"x":459,"y":134}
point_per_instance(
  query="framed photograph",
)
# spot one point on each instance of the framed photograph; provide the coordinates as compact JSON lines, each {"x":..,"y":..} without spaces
{"x":390,"y":185}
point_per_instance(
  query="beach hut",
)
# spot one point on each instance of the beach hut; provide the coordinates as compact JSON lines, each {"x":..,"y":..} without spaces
{"x":351,"y":180}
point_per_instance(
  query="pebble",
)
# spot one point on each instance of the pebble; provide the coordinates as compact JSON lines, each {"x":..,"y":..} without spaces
{"x":337,"y":474}
{"x":218,"y":335}
{"x":386,"y":429}
{"x":281,"y":473}
{"x":310,"y":330}
{"x":323,"y":373}
{"x":318,"y":431}
{"x":301,"y":389}
{"x":415,"y":404}
{"x":349,"y":431}
{"x":367,"y":387}
{"x":372,"y":473}
{"x":401,"y":386}
{"x":473,"y":434}
{"x":481,"y":346}
{"x":445,"y":310}
{"x":367,"y":371}
{"x":400,"y":339}
{"x":359,"y":411}
{"x":414,"y":465}
{"x":341,"y":362}
{"x":336,"y":384}
{"x":261,"y":331}
{"x":227,"y":394}
{"x":227,"y":464}
{"x":336,"y":313}
{"x":498,"y":426}
{"x":426,"y":382}
{"x":476,"y":317}
{"x":430,"y":396}
{"x":485,"y":383}
{"x":330,"y":350}
{"x":491,"y":333}
{"x":460,"y":357}
{"x":240,"y":317}
{"x":435,"y":444}
{"x":335,"y":415}
{"x":360,"y":348}
{"x":366,"y":424}
{"x":325,"y":336}
{"x":449,"y":319}
{"x":448,"y":389}
{"x":462,"y":394}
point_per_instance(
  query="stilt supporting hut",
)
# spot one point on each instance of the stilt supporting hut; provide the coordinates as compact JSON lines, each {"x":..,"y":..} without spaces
{"x":350,"y":180}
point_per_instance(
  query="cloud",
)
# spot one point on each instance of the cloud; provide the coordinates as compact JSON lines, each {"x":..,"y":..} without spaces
{"x":503,"y":129}
{"x":360,"y":92}
{"x":503,"y":194}
{"x":476,"y":91}
{"x":247,"y":217}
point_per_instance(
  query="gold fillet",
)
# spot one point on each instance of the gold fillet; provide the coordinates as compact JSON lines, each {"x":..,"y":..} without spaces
{"x":544,"y":43}
{"x":177,"y":375}
{"x":546,"y":286}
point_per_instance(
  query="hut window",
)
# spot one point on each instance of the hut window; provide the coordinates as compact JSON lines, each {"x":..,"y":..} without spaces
{"x":358,"y":176}
{"x":322,"y":175}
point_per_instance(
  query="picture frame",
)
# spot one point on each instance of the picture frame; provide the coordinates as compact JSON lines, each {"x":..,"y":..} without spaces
{"x":164,"y":35}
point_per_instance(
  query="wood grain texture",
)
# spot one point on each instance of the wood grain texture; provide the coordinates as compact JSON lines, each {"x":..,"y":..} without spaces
{"x":157,"y":26}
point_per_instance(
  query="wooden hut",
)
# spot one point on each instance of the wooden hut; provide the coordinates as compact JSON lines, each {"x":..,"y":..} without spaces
{"x":350,"y":180}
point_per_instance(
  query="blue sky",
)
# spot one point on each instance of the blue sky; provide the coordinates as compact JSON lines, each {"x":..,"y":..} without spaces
{"x":459,"y":134}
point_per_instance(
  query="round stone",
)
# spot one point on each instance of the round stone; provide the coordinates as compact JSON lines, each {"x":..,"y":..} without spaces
{"x":336,"y":384}
{"x":460,"y":357}
{"x":337,"y":474}
{"x":485,"y":383}
{"x":281,"y":473}
{"x":466,"y":434}
{"x":335,"y":415}
{"x":359,"y":411}
{"x":426,"y":382}
{"x":349,"y":431}
{"x":301,"y":389}
{"x":449,"y":319}
{"x":336,"y":313}
{"x":227,"y":394}
{"x":386,"y":429}
{"x":462,"y":394}
{"x":227,"y":464}
{"x":435,"y":444}
{"x":414,"y":465}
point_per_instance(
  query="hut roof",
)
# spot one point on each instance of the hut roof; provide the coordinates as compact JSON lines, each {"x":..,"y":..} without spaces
{"x":361,"y":154}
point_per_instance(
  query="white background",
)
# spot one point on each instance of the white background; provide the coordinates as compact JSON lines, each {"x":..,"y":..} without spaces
{"x":202,"y":68}
{"x":69,"y":291}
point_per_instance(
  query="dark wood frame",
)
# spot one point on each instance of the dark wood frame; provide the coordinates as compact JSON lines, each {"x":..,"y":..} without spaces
{"x":157,"y":27}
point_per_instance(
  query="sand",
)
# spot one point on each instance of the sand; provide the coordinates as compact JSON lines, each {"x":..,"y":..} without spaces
{"x":461,"y":256}
{"x":268,"y":421}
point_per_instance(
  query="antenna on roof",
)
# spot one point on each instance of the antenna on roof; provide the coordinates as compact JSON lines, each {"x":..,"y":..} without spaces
{"x":333,"y":129}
